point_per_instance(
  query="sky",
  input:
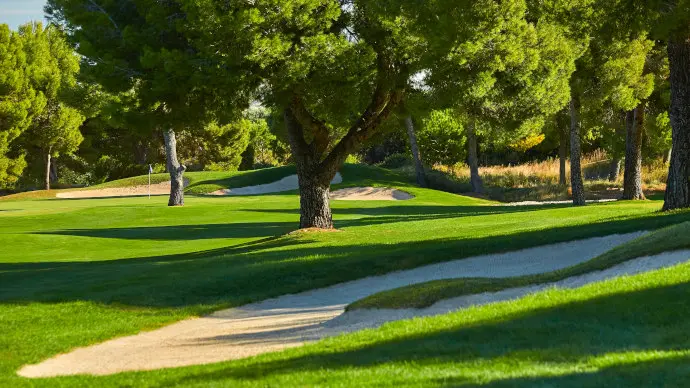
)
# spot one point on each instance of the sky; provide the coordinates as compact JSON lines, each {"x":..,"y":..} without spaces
{"x":16,"y":12}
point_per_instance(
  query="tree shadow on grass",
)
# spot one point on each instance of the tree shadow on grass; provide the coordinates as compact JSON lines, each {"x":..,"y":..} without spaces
{"x":567,"y":334}
{"x":376,"y":216}
{"x":272,"y":267}
{"x":183,"y":232}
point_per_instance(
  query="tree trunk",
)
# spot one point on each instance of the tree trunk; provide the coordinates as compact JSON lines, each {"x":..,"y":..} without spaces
{"x":632,"y":180}
{"x":678,"y":186}
{"x":563,"y":156}
{"x":418,"y":165}
{"x":315,"y":207}
{"x":576,"y":182}
{"x":314,"y":179}
{"x":473,"y":160}
{"x":615,"y":169}
{"x":48,"y":160}
{"x":175,"y":169}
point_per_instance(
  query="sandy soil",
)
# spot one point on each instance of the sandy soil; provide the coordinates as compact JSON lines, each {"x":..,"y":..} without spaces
{"x":370,"y":194}
{"x":162,"y":188}
{"x":286,"y":184}
{"x":292,"y":320}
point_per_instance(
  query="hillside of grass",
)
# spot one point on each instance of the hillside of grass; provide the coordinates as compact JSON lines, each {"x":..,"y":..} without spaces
{"x":77,"y":272}
{"x":200,"y":182}
{"x":205,"y":182}
{"x":676,"y":237}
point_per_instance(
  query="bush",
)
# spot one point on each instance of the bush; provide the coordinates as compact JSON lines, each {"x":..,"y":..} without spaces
{"x":396,"y":161}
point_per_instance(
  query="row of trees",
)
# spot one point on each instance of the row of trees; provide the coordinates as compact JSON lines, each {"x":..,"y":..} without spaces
{"x":340,"y":71}
{"x":37,"y":91}
{"x":51,"y":110}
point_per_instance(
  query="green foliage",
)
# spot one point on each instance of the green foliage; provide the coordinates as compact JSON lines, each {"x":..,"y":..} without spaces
{"x":216,"y":147}
{"x":622,"y":75}
{"x":19,"y":101}
{"x":441,"y":138}
{"x":396,"y":161}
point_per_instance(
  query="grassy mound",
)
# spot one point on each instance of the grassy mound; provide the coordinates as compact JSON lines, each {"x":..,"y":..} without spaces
{"x":77,"y":272}
{"x":422,"y":295}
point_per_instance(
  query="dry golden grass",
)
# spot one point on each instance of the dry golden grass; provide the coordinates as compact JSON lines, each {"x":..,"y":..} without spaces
{"x":540,"y":180}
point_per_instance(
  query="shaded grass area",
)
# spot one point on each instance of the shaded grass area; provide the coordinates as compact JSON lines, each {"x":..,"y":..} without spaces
{"x":423,"y":295}
{"x":75,"y":272}
{"x":625,"y":332}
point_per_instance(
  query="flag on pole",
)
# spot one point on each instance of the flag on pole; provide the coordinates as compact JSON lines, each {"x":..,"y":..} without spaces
{"x":150,"y":172}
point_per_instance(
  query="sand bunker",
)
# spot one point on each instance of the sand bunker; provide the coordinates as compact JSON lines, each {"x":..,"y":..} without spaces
{"x":370,"y":194}
{"x":288,"y":183}
{"x":162,"y":188}
{"x":292,"y":320}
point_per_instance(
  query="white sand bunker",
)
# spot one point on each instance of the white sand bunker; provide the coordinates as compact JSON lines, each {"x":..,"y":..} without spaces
{"x":292,"y":320}
{"x":162,"y":188}
{"x":288,"y":183}
{"x":370,"y":194}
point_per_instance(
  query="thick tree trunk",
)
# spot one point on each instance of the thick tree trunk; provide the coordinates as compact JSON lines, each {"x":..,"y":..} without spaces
{"x":48,"y":160}
{"x":615,"y":169}
{"x":576,"y":182}
{"x":175,"y":169}
{"x":314,"y":191}
{"x":473,"y":160}
{"x":563,"y":157}
{"x":418,"y":165}
{"x":678,"y":186}
{"x":632,"y":180}
{"x":314,"y":179}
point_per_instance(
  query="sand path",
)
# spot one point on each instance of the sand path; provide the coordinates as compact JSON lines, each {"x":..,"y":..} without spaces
{"x":292,"y":320}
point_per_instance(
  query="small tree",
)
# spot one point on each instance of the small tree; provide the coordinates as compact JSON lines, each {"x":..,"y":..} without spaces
{"x":53,"y":68}
{"x":152,"y":50}
{"x":19,"y":103}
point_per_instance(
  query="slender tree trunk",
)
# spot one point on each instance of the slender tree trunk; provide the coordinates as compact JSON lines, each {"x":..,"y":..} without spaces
{"x":314,"y":180}
{"x":667,"y":156}
{"x":563,"y":156}
{"x":678,"y":186}
{"x":175,"y":169}
{"x":54,"y":170}
{"x":576,"y":182}
{"x":632,"y":180}
{"x":615,"y":169}
{"x":48,"y":160}
{"x":473,"y":160}
{"x":418,"y":165}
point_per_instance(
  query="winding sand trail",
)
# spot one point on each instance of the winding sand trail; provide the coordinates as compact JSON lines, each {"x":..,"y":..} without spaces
{"x":292,"y":320}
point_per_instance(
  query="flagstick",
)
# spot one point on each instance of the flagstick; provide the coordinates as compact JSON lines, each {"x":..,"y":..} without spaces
{"x":149,"y":181}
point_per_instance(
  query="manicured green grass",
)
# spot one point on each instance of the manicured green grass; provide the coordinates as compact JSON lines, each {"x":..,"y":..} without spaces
{"x":76,"y":272}
{"x":422,"y":295}
{"x":200,"y":182}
